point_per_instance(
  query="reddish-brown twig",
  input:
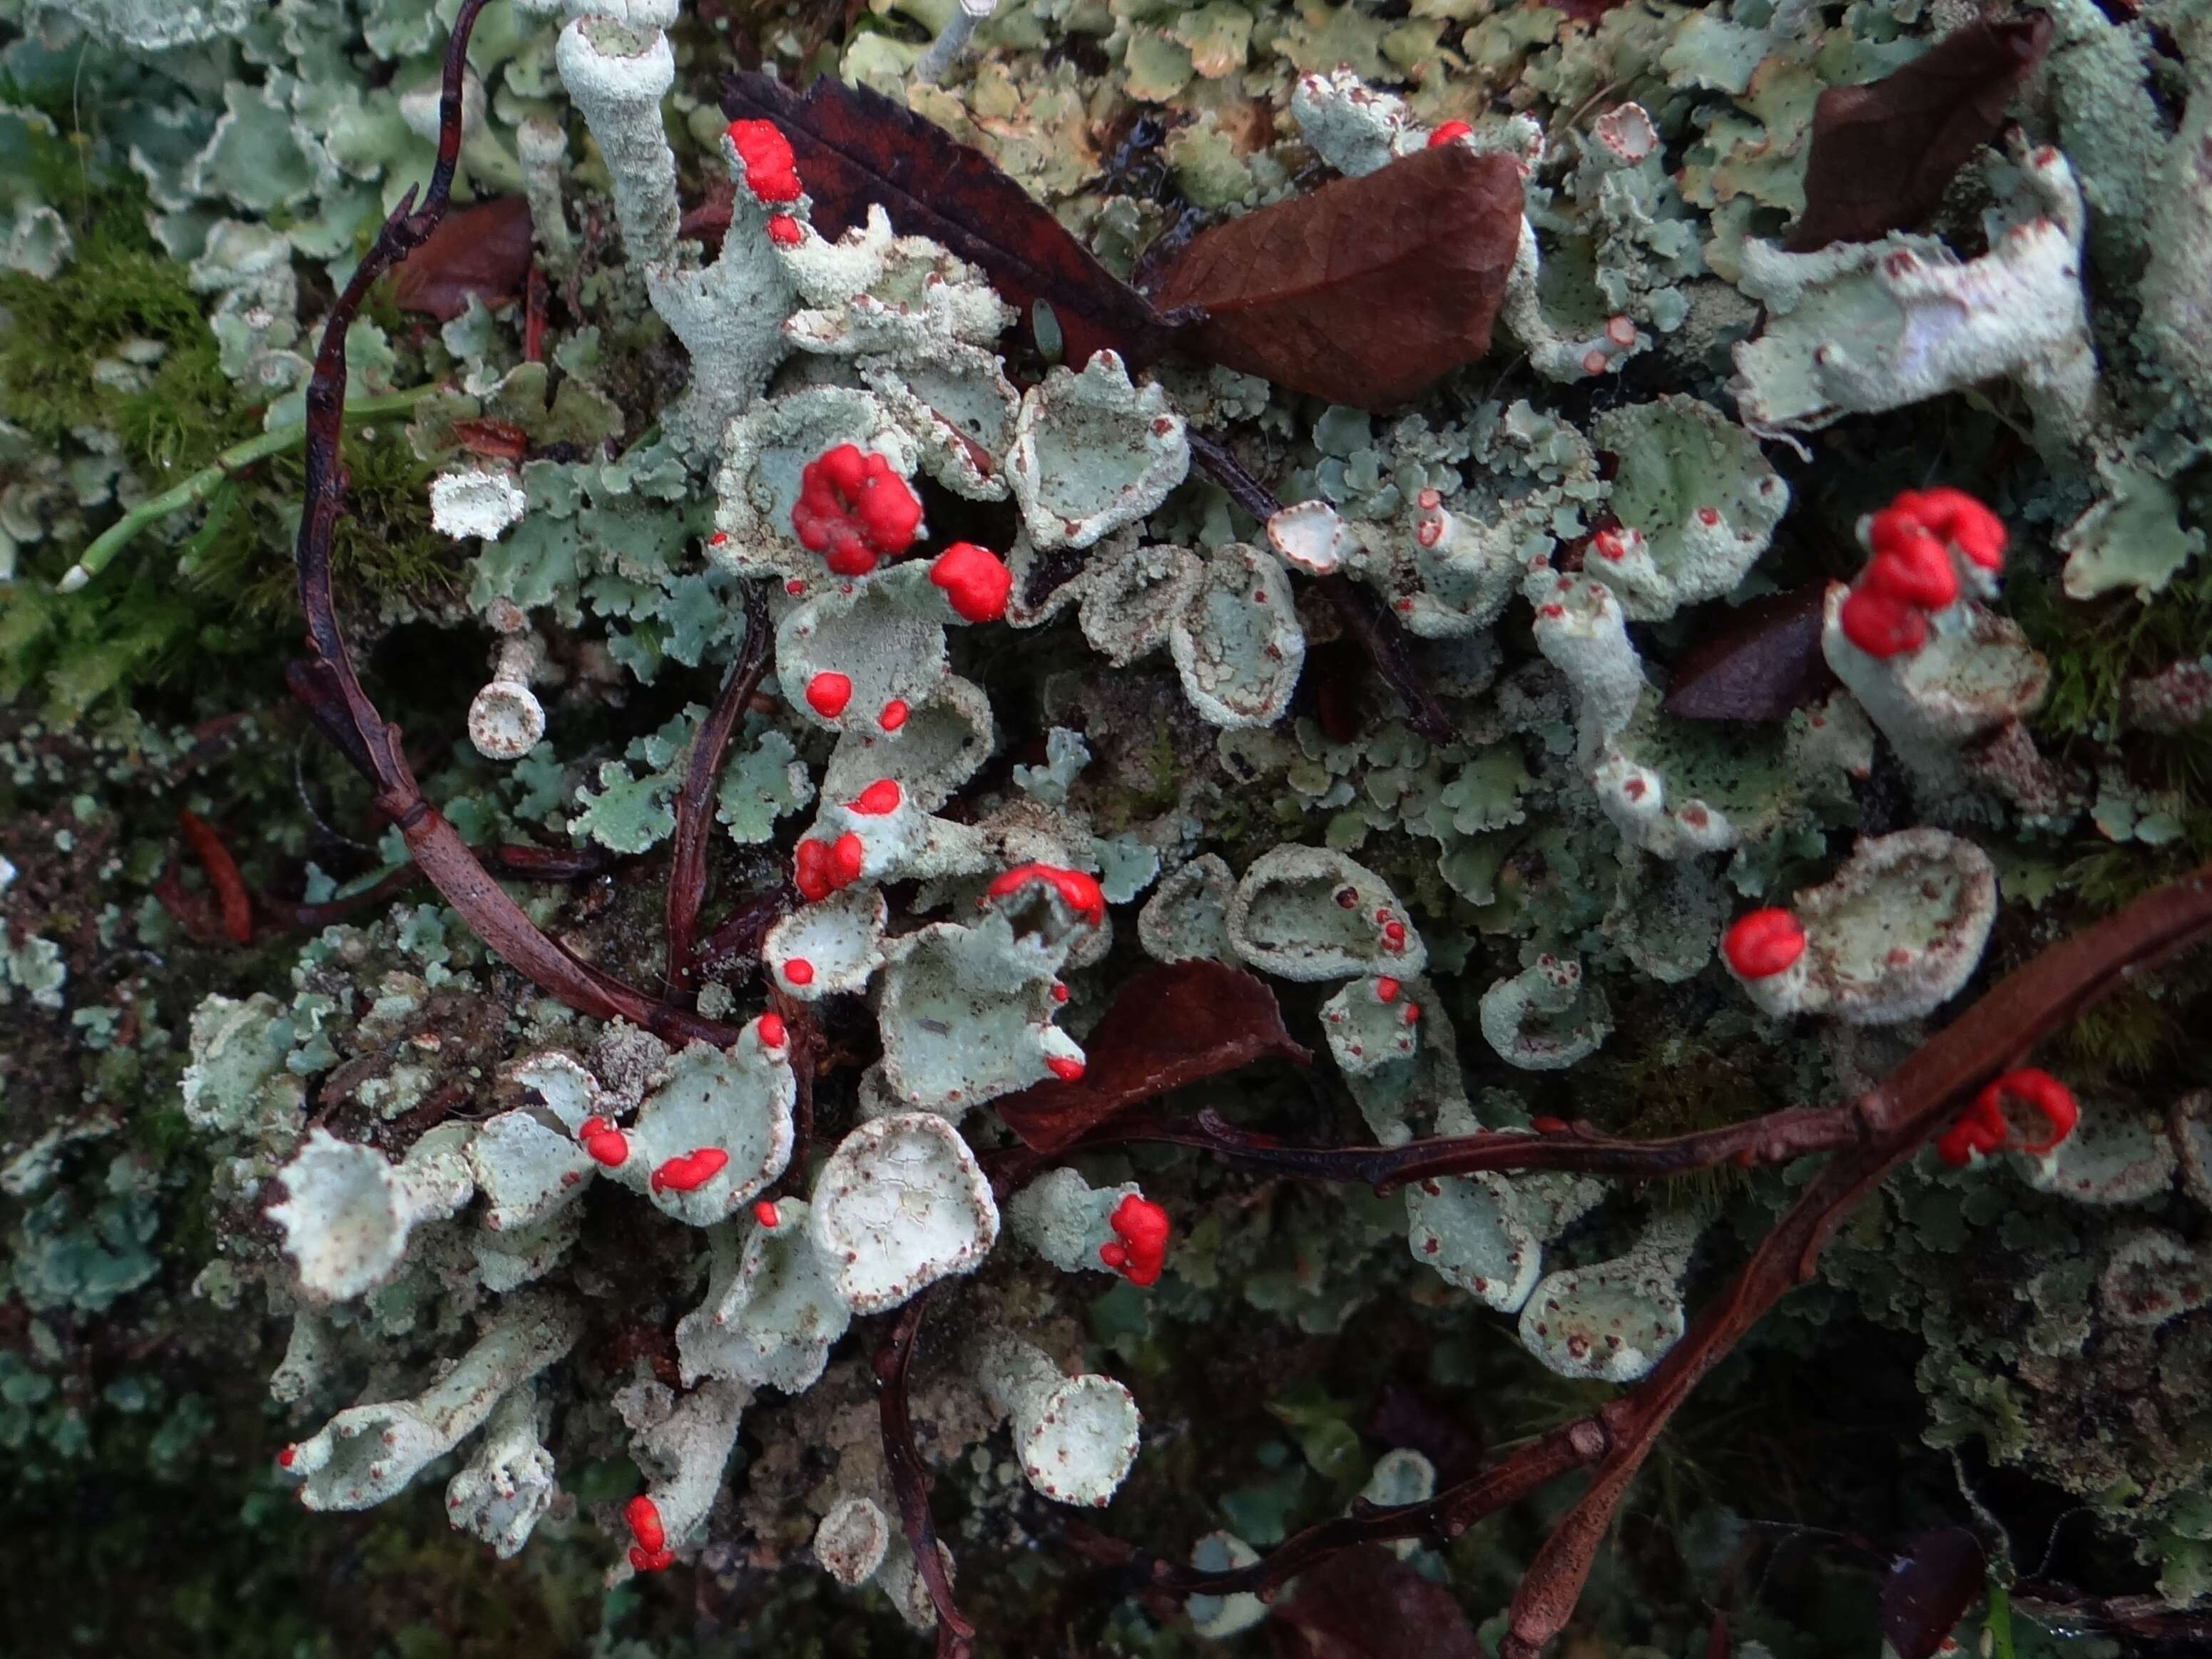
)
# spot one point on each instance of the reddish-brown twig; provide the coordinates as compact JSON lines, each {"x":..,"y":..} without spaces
{"x":332,"y":690}
{"x":222,"y":875}
{"x":513,"y":863}
{"x":956,"y":1637}
{"x":695,"y":803}
{"x":1780,"y":1137}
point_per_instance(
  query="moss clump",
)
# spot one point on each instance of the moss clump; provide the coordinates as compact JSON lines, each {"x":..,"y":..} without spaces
{"x":116,"y":290}
{"x":384,"y":546}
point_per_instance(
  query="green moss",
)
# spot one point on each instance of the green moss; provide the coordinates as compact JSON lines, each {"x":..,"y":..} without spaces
{"x":384,"y":547}
{"x":2095,"y":648}
{"x":117,"y":289}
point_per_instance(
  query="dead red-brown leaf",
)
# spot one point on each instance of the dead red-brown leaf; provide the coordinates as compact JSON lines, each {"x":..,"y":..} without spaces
{"x":1368,"y":1604}
{"x":856,"y":148}
{"x":1757,"y":662}
{"x":1928,"y":1589}
{"x":1884,"y":153}
{"x":500,"y":440}
{"x":1179,"y":1023}
{"x":484,"y":251}
{"x":1368,"y":291}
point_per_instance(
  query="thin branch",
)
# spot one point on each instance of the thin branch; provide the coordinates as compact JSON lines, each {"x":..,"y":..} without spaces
{"x":328,"y":685}
{"x":737,"y":942}
{"x":1364,"y":616}
{"x":695,"y":805}
{"x":1777,"y":1138}
{"x":513,"y":863}
{"x":222,"y":875}
{"x":910,"y":1483}
{"x":1441,"y":1519}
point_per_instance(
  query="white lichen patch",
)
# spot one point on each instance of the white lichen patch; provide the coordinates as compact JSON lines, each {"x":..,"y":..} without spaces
{"x":1471,"y":1230}
{"x":1893,"y":936}
{"x":716,"y":1130}
{"x":839,"y":940}
{"x":1237,"y":641}
{"x":1616,"y":1320}
{"x":476,"y":501}
{"x":1066,"y":1220}
{"x":852,"y":1541}
{"x":366,"y":1453}
{"x":1306,"y":913}
{"x":772,"y":1310}
{"x":1132,"y":598}
{"x":901,"y":1204}
{"x":1545,"y":1018}
{"x":1076,"y":1436}
{"x":967,"y":1013}
{"x":1701,"y":499}
{"x":883,"y":636}
{"x":2117,"y":1154}
{"x":1976,"y":674}
{"x":1370,"y":1025}
{"x":500,"y":1494}
{"x":349,"y":1210}
{"x":1092,"y":452}
{"x":1188,"y":914}
{"x":527,"y":1170}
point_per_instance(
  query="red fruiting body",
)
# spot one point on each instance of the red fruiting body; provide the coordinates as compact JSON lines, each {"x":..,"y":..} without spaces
{"x":772,"y":1032}
{"x":878,"y":798}
{"x":1386,"y":988}
{"x":1912,"y":574}
{"x":828,"y":693}
{"x":694,"y":1168}
{"x":717,"y":538}
{"x":794,"y":587}
{"x":284,"y":1458}
{"x":2043,"y":1094}
{"x":1450,"y":130}
{"x":783,"y":230}
{"x":800,"y":971}
{"x":765,"y":1213}
{"x":854,"y":510}
{"x":646,"y":1560}
{"x":643,"y":1516}
{"x":606,"y":1143}
{"x":1143,"y":1227}
{"x":1548,"y":1126}
{"x":1763,"y":943}
{"x":1609,"y":544}
{"x":771,"y":170}
{"x":809,"y":869}
{"x":1078,"y":891}
{"x":1881,"y":625}
{"x":1910,"y":565}
{"x":894,"y":715}
{"x":1393,"y":935}
{"x":1067,"y":1067}
{"x":1985,"y":1126}
{"x":820,"y":868}
{"x":1058,"y":991}
{"x":1960,"y":520}
{"x":1412,"y":1013}
{"x":975,"y":580}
